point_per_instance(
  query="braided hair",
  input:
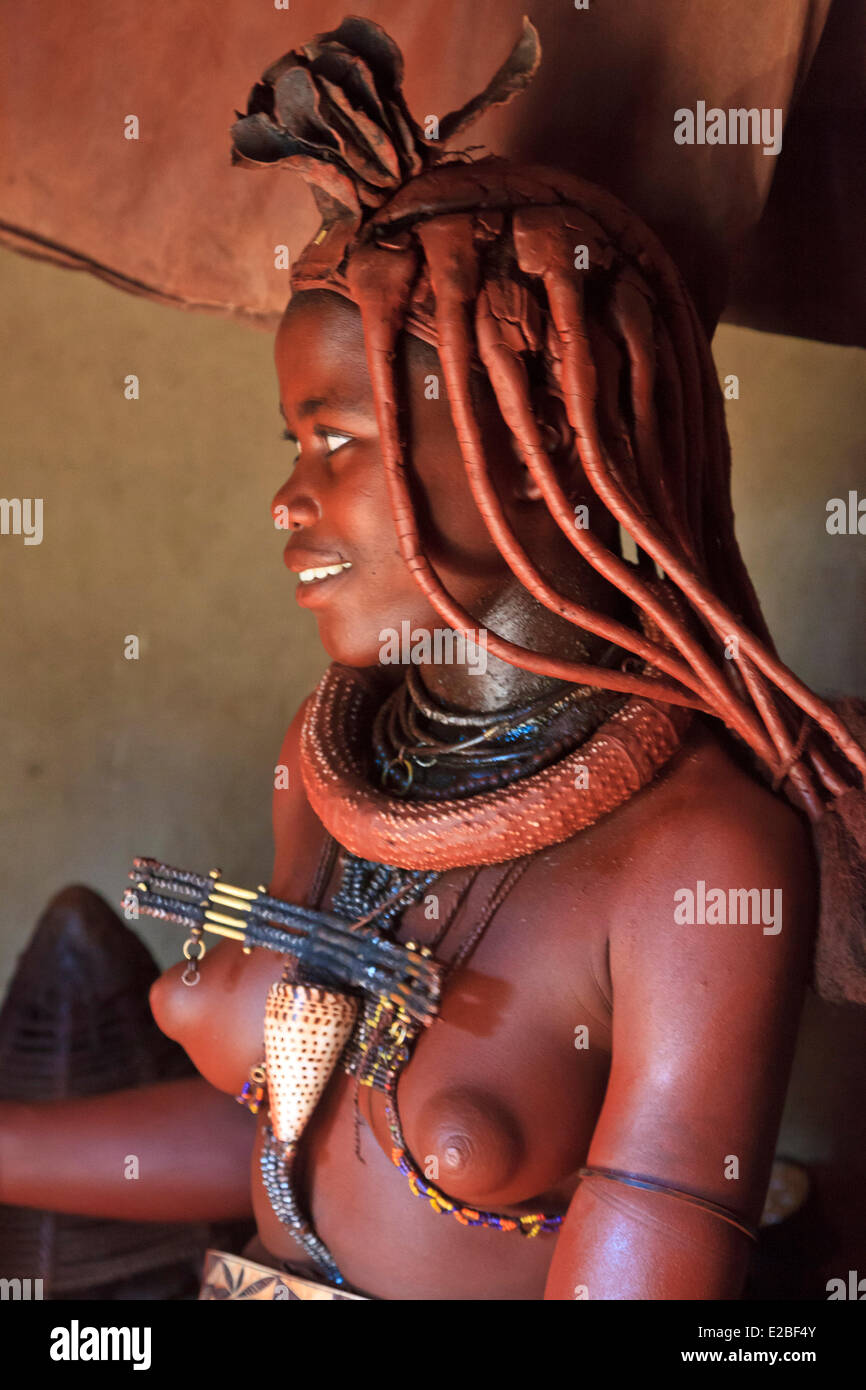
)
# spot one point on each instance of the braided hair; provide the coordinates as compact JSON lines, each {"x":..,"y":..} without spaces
{"x":516,"y":271}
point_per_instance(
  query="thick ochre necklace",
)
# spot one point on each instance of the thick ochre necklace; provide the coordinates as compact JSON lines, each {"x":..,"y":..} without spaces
{"x":524,"y":811}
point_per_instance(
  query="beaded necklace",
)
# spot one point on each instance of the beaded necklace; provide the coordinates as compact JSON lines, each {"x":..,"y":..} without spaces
{"x":376,"y":1055}
{"x":425,"y":752}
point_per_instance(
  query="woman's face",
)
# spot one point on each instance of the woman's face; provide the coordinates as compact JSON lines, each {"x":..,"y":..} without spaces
{"x":335,"y":502}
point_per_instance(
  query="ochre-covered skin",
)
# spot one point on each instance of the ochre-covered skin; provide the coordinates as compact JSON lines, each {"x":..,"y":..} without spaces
{"x":497,"y":1092}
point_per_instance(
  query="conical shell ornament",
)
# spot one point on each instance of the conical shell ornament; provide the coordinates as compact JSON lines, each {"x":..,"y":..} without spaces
{"x":306,"y":1029}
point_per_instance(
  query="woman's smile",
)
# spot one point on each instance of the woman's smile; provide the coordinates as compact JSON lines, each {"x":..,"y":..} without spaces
{"x":317,"y":572}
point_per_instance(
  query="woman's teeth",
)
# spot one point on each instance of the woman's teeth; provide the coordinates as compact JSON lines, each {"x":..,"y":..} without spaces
{"x":322,"y":573}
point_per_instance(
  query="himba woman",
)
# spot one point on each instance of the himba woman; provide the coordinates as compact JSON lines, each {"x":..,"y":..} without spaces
{"x":598,"y":814}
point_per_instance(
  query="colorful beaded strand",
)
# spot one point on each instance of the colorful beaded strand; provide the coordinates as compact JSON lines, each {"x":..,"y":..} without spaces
{"x":276,"y":1164}
{"x":530,"y":1224}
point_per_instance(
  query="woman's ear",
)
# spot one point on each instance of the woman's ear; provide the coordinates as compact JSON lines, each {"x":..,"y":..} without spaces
{"x":558,"y":441}
{"x":526,"y":489}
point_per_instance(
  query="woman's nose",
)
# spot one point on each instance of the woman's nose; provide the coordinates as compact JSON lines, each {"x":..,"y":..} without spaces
{"x":295,"y":506}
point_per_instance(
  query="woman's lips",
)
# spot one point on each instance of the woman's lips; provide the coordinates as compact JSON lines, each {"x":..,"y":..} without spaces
{"x":317,"y":573}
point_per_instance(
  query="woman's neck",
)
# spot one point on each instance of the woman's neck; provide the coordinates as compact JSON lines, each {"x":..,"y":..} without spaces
{"x":489,"y":684}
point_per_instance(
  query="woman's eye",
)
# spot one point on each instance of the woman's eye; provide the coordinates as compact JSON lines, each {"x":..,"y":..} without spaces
{"x":334,"y":440}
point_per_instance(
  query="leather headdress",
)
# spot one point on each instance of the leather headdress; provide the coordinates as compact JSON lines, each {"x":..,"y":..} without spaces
{"x":333,"y":111}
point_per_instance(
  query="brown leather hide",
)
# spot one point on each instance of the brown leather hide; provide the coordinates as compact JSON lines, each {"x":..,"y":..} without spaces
{"x":166,"y":215}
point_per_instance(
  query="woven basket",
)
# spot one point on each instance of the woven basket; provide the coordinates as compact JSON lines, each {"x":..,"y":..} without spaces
{"x":76,"y":1022}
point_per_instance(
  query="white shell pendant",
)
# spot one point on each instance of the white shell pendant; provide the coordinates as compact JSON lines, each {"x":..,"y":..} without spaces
{"x":306,"y":1029}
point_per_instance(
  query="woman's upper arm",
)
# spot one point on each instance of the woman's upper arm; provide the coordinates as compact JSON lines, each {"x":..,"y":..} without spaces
{"x":219,"y":1023}
{"x":705,"y":1016}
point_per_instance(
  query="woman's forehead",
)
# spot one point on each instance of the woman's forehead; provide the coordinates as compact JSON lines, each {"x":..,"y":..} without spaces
{"x":321,"y":336}
{"x":321,"y":316}
{"x":320,"y":344}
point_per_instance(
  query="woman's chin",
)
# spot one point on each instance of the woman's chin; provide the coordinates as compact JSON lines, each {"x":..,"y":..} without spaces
{"x":349,"y":648}
{"x":377,"y":636}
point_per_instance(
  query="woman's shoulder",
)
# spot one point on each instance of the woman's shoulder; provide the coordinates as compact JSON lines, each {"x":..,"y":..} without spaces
{"x":712,"y":849}
{"x":703,"y":806}
{"x":708,"y":799}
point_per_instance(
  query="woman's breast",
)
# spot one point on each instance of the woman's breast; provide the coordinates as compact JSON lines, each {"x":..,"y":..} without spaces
{"x":485,"y":1144}
{"x":498,"y":1116}
{"x":497,"y":1106}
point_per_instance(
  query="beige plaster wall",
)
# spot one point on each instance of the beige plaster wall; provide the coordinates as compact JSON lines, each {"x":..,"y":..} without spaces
{"x":156,"y":523}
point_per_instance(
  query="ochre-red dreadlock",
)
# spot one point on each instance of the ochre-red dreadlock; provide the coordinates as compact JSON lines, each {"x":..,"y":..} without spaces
{"x":690,"y":537}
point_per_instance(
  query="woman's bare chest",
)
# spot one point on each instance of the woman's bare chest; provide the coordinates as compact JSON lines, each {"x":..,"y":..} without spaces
{"x":501,"y":1094}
